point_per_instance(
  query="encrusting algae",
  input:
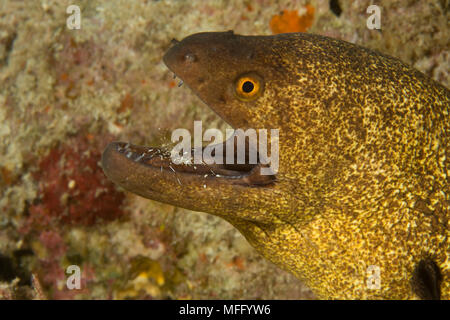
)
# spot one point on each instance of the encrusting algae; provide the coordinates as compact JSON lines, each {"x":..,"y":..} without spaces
{"x":66,"y":93}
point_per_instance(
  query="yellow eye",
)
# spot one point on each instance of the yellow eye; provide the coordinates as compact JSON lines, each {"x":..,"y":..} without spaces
{"x":248,"y":87}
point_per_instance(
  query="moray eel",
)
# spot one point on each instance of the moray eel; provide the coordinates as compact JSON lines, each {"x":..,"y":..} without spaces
{"x":359,"y":207}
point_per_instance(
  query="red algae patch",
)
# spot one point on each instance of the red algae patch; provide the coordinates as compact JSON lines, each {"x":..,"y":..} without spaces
{"x":73,"y":188}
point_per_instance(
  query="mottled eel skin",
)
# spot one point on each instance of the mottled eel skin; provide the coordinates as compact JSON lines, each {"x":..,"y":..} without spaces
{"x":364,"y":158}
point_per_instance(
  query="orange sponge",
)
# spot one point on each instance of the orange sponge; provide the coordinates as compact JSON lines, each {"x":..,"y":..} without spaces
{"x":291,"y":21}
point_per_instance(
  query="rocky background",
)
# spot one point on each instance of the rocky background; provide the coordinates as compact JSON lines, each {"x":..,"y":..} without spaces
{"x":64,"y":94}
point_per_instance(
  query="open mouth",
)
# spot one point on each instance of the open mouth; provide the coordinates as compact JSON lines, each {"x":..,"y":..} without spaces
{"x":160,"y":160}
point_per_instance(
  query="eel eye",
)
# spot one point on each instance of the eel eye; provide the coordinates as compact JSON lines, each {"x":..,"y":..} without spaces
{"x":248,"y":87}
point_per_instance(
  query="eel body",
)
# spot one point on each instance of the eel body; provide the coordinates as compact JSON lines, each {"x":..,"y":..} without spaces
{"x":359,"y":206}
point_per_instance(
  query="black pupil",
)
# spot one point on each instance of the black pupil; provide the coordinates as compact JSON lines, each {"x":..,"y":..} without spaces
{"x":248,"y":87}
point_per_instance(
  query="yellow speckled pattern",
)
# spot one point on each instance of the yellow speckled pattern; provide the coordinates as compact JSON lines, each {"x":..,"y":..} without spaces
{"x":364,"y":158}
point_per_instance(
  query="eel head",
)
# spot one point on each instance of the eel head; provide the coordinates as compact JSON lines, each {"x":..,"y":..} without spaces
{"x":236,"y":77}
